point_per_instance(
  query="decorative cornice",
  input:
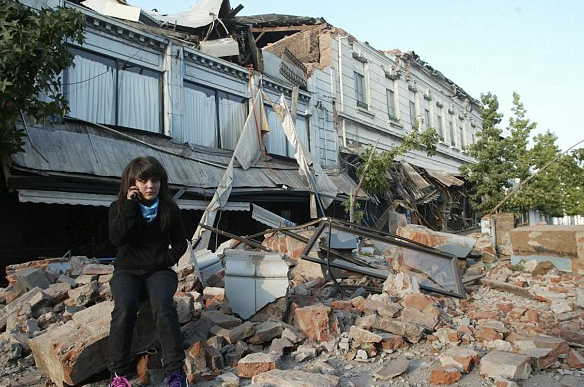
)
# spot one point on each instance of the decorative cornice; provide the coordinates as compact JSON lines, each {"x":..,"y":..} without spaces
{"x":286,"y":90}
{"x":124,"y":32}
{"x":212,"y":63}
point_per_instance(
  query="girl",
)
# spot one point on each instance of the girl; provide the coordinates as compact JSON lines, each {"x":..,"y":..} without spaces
{"x":143,"y":222}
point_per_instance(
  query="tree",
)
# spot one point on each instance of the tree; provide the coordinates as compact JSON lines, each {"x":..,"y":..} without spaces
{"x":520,"y":156}
{"x":573,"y":176}
{"x":542,"y":177}
{"x":490,"y":176}
{"x":33,"y":52}
{"x":374,"y":169}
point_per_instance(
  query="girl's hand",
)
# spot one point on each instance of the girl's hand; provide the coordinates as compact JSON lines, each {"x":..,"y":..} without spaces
{"x":133,"y":193}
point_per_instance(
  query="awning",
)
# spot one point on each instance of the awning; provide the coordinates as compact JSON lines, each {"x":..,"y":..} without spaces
{"x":103,"y":200}
{"x":415,"y":176}
{"x":444,"y":177}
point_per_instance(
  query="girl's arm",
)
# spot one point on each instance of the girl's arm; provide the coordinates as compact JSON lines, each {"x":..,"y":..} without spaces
{"x":178,"y":239}
{"x":121,"y":224}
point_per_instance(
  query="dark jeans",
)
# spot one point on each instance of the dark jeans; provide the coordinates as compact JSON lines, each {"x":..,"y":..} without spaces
{"x":128,"y":288}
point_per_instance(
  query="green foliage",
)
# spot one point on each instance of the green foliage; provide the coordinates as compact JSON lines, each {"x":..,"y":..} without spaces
{"x":546,"y":179}
{"x":358,"y":213}
{"x":376,"y":179}
{"x":33,"y":52}
{"x":490,"y":176}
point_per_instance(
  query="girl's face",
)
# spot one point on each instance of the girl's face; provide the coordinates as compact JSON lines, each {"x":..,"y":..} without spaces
{"x":148,"y":188}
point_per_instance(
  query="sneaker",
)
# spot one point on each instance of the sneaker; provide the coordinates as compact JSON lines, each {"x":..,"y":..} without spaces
{"x":120,"y":381}
{"x":178,"y":379}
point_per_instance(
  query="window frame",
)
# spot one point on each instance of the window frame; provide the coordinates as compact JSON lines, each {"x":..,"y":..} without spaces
{"x":119,"y":105}
{"x":360,"y":90}
{"x":219,"y":142}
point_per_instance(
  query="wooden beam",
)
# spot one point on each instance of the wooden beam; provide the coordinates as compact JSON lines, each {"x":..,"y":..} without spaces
{"x":234,"y":12}
{"x":284,"y":29}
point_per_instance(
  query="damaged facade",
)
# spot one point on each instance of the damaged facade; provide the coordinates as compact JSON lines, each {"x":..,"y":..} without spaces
{"x":364,"y":95}
{"x":193,"y":75}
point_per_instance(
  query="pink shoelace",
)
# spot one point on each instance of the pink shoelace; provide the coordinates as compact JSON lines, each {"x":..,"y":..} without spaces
{"x":120,"y":381}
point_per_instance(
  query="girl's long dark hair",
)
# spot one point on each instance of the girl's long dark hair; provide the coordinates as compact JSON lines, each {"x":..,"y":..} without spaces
{"x":145,"y":168}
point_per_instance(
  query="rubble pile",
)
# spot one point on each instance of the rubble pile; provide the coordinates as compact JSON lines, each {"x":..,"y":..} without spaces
{"x":514,"y":323}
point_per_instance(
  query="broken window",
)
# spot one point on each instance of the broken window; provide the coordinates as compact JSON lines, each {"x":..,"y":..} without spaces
{"x":200,"y":120}
{"x":461,"y":134}
{"x":342,"y":247}
{"x":232,"y":114}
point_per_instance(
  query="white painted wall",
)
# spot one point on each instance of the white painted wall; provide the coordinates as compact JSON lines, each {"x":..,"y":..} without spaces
{"x":360,"y":126}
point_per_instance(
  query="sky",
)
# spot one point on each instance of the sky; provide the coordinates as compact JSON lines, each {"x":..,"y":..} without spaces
{"x":532,"y":47}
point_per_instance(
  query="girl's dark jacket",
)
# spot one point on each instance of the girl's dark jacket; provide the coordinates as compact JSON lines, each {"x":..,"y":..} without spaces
{"x":143,"y":246}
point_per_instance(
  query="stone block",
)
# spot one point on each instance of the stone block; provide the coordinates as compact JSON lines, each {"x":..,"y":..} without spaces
{"x":561,"y":245}
{"x":445,"y":375}
{"x":317,"y":322}
{"x":392,"y":369}
{"x":233,"y":335}
{"x":411,"y":332}
{"x":575,"y":359}
{"x":256,"y":363}
{"x":266,"y":332}
{"x":78,"y":349}
{"x":30,"y":278}
{"x":506,"y":365}
{"x":195,"y":359}
{"x":283,"y":378}
{"x":360,"y":335}
{"x":463,"y":358}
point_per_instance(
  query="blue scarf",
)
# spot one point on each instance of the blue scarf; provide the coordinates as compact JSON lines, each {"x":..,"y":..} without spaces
{"x":149,"y":212}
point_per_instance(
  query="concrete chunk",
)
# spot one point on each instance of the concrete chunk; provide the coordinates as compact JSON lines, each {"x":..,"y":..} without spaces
{"x":463,"y":358}
{"x":78,"y":349}
{"x":30,"y":278}
{"x":283,"y":378}
{"x":317,"y":322}
{"x":256,"y":363}
{"x":506,"y":365}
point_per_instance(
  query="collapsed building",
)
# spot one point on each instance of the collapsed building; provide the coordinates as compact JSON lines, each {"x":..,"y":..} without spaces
{"x":325,"y":303}
{"x":325,"y":289}
{"x":183,"y":87}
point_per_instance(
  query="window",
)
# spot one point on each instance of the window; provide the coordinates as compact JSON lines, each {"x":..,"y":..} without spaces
{"x":211,"y":117}
{"x":111,"y":92}
{"x":451,"y":127}
{"x":232,"y":115}
{"x":360,"y":94}
{"x":440,"y":127}
{"x":461,"y":134}
{"x":200,"y":117}
{"x":391,"y":105}
{"x":427,"y":118}
{"x":413,"y":119}
{"x":277,"y":142}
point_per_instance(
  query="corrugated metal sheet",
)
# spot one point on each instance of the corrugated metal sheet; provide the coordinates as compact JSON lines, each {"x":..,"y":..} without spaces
{"x":203,"y":13}
{"x":83,"y":150}
{"x":77,"y":148}
{"x":415,"y":176}
{"x":86,"y":199}
{"x":444,"y":177}
{"x":345,"y":184}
